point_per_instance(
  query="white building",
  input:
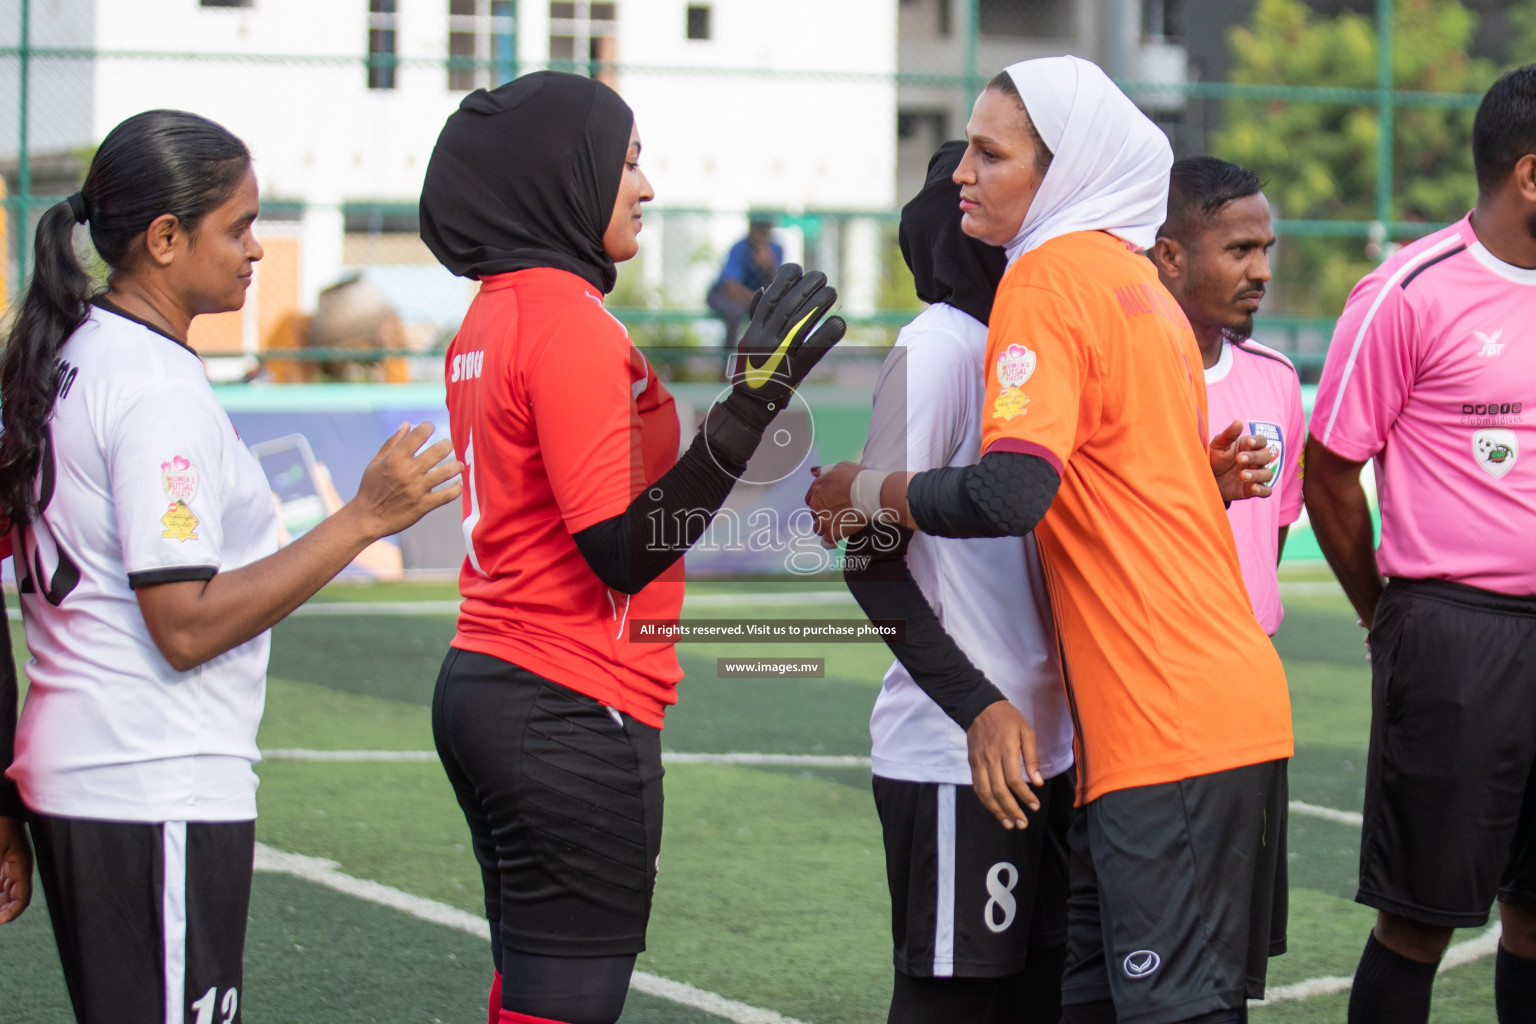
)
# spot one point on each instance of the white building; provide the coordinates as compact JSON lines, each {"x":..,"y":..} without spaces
{"x":789,"y":106}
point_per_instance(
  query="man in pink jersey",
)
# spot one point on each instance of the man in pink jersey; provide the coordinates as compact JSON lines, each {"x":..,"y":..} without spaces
{"x":1431,"y":373}
{"x":1212,"y":254}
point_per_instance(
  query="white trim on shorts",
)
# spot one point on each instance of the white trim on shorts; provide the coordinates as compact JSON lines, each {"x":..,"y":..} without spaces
{"x":173,"y":918}
{"x":944,"y":903}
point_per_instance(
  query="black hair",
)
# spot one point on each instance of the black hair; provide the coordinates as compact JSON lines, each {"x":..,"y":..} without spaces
{"x":1505,"y":127}
{"x":1198,"y":188}
{"x":1003,"y":82}
{"x":155,"y":163}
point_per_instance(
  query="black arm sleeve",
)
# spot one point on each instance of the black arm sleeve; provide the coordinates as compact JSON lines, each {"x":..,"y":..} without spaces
{"x":10,"y":798}
{"x":629,"y":550}
{"x":1004,"y":495}
{"x":885,"y":589}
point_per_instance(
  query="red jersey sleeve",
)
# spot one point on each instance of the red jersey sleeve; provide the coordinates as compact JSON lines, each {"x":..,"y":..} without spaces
{"x":582,"y":387}
{"x":1042,"y":396}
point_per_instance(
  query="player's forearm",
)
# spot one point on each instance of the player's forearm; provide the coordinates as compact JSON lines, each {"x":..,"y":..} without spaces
{"x":1341,"y":520}
{"x":886,"y":590}
{"x":630,"y":550}
{"x":1006,"y":494}
{"x":195,"y":621}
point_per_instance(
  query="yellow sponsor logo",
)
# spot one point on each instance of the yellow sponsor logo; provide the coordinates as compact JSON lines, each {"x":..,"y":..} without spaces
{"x":757,"y":376}
{"x":1012,"y":402}
{"x":179,"y":522}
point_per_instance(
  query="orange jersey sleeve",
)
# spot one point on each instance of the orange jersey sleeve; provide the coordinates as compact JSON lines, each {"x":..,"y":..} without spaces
{"x":1043,"y":392}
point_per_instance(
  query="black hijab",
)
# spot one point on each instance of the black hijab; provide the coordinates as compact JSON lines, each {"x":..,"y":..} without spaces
{"x":948,"y":265}
{"x":526,"y":176}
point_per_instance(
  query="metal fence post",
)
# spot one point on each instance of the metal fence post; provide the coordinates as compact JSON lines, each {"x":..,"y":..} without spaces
{"x":1384,"y":102}
{"x":972,"y":31}
{"x":23,"y":156}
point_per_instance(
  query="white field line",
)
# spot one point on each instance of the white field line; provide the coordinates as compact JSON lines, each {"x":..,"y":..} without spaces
{"x":324,"y":872}
{"x":1309,"y":588}
{"x":1327,"y":813}
{"x":808,"y":597}
{"x":760,"y":760}
{"x":1457,"y":956}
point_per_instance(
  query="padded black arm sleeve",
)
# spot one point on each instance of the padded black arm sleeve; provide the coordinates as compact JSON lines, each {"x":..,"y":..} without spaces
{"x":1004,"y":495}
{"x":10,"y":797}
{"x":629,"y":550}
{"x":885,"y":589}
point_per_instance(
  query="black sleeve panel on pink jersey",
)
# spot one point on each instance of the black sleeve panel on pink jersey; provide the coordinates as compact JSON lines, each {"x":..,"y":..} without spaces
{"x":630,"y":550}
{"x":1005,"y":494}
{"x":885,"y":589}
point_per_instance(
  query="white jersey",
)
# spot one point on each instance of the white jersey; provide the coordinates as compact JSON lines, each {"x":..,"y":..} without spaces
{"x":144,"y":481}
{"x":989,"y":593}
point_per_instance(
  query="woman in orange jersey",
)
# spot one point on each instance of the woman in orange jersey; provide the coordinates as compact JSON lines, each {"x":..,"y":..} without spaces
{"x":577,"y":509}
{"x":1093,"y":430}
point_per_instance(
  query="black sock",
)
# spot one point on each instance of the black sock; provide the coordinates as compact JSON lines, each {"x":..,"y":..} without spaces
{"x":1100,"y":1011}
{"x":1514,"y":988}
{"x":1390,"y":988}
{"x":1041,"y":994}
{"x":927,"y":1000}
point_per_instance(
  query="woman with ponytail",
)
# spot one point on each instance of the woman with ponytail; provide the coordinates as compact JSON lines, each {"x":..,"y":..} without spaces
{"x":149,"y":575}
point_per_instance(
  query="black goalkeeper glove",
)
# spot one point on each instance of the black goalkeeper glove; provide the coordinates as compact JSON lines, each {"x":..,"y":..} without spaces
{"x":777,"y":351}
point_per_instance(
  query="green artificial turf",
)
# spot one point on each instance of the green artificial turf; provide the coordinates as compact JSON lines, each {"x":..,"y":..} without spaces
{"x":772,"y":887}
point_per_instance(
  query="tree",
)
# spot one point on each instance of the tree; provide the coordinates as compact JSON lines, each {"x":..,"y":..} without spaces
{"x":1319,"y":159}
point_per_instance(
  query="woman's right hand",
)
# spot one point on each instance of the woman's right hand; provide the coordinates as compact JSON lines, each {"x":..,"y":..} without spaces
{"x":404,"y":482}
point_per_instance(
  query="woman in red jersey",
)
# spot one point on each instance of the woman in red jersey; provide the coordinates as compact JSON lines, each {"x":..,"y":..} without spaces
{"x":577,"y":509}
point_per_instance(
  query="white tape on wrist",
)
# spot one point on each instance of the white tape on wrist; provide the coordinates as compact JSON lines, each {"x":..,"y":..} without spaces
{"x":865,"y":492}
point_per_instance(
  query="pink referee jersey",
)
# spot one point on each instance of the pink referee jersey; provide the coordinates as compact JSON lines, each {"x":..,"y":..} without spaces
{"x":1432,"y":367}
{"x":1259,"y":386}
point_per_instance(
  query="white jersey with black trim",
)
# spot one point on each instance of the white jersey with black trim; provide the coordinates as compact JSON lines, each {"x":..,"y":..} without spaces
{"x":989,"y":593}
{"x":143,"y":481}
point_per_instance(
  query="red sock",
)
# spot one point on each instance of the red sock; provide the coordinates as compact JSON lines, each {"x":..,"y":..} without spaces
{"x":513,"y":1017}
{"x":495,"y":1003}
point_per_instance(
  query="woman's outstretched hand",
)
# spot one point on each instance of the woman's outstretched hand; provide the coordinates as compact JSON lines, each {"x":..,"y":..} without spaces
{"x":404,"y":481}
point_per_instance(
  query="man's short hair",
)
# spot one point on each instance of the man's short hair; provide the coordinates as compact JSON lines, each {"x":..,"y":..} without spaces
{"x":1003,"y":82}
{"x":1505,"y":127}
{"x":1198,"y":188}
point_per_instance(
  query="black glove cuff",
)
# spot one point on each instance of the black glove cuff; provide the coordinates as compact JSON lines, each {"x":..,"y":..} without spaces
{"x":732,"y":438}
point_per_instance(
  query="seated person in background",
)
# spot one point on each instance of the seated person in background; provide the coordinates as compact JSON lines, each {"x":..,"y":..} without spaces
{"x":750,"y":265}
{"x":1212,"y":254}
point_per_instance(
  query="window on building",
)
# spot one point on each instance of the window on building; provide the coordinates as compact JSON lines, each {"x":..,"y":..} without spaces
{"x":698,"y":21}
{"x":480,"y":43}
{"x":1022,"y":18}
{"x":582,"y":37}
{"x":382,"y":25}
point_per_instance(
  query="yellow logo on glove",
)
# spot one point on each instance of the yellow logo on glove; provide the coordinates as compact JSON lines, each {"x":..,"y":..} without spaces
{"x":757,"y":376}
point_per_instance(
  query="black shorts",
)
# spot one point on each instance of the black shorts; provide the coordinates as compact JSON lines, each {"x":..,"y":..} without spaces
{"x":1450,"y":805}
{"x":145,"y":914}
{"x":563,"y":800}
{"x":1178,"y":895}
{"x":969,"y":898}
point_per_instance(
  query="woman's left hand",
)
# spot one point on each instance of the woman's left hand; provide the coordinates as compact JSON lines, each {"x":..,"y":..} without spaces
{"x":831,"y":499}
{"x":15,"y":869}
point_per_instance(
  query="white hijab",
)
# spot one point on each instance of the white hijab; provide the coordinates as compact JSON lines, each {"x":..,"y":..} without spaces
{"x":1110,"y":171}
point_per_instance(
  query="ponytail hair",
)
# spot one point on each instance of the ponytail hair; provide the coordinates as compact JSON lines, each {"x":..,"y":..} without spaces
{"x":155,"y":163}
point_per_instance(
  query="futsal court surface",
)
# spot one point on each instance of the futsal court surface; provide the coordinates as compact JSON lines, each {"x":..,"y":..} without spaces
{"x":770,"y":906}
